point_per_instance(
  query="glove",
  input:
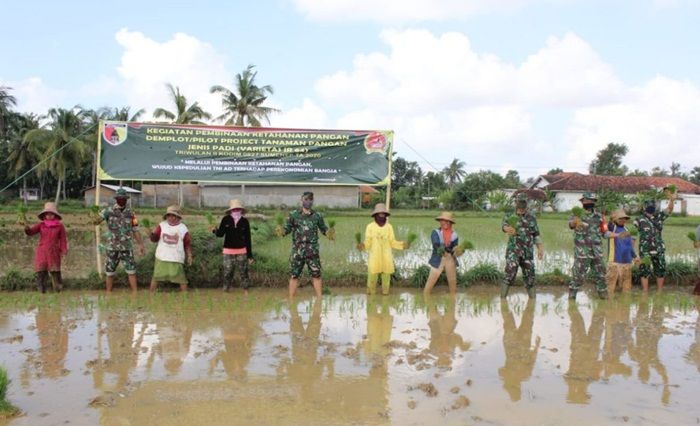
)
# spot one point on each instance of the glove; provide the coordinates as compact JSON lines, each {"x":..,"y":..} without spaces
{"x":406,"y":245}
{"x":360,"y":246}
{"x":331,"y":234}
{"x":279,"y":231}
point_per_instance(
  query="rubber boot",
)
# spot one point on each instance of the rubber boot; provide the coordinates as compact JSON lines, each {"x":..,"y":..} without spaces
{"x":531,"y":292}
{"x":603,"y":294}
{"x":504,"y":290}
{"x":572,"y":294}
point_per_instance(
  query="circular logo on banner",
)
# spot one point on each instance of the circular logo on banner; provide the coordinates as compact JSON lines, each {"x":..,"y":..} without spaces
{"x":375,"y":142}
{"x":114,"y":133}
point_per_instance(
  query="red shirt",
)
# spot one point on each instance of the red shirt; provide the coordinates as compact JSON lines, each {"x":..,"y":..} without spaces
{"x":53,"y":243}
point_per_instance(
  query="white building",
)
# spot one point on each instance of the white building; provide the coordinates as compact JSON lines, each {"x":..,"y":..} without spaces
{"x":569,"y":188}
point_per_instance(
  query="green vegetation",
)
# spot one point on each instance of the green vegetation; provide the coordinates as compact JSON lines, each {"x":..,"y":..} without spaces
{"x":692,"y":237}
{"x":358,"y":237}
{"x":6,"y":409}
{"x":513,"y":221}
{"x":578,"y":212}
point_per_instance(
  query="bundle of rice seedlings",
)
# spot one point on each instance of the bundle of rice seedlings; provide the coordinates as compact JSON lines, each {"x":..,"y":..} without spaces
{"x":466,"y":245}
{"x":331,"y":223}
{"x":411,"y":238}
{"x":633,"y":231}
{"x":692,"y":236}
{"x":646,"y":260}
{"x":279,"y":219}
{"x":578,"y":211}
{"x":22,"y":214}
{"x":210,"y":219}
{"x":672,"y":189}
{"x":146,"y":223}
{"x":358,"y":237}
{"x":513,"y":221}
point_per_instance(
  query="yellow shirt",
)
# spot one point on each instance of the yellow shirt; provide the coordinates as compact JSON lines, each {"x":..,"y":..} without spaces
{"x":379,"y":240}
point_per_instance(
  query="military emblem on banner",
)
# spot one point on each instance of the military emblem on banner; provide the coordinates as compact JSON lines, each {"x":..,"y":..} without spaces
{"x":375,"y":142}
{"x":114,"y":133}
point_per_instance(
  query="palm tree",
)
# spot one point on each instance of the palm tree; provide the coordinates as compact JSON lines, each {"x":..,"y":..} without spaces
{"x":183,"y":114}
{"x":7,"y":101}
{"x":124,"y":114}
{"x":22,"y":154}
{"x":64,"y":143}
{"x":245,"y":108}
{"x":454,"y":172}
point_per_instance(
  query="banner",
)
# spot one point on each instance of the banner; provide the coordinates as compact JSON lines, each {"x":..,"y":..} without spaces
{"x":142,"y":151}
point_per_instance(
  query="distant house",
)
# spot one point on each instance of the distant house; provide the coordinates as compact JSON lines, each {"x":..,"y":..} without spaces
{"x":569,"y":187}
{"x":107,"y":193}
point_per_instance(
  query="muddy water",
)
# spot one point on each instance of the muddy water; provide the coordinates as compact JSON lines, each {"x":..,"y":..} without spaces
{"x":210,"y":358}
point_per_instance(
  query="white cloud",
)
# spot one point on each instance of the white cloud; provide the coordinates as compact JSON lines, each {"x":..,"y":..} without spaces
{"x":406,"y":10}
{"x":184,"y":61}
{"x":659,"y":124}
{"x":308,"y":115}
{"x":33,"y":95}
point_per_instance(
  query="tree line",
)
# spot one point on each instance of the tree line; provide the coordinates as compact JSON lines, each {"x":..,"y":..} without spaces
{"x":64,"y":140}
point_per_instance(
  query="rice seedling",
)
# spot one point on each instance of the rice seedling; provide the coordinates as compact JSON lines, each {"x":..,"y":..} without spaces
{"x":513,"y":221}
{"x":22,"y":214}
{"x":411,"y":238}
{"x":632,"y":230}
{"x":578,"y":211}
{"x":358,"y":239}
{"x":646,"y":261}
{"x":672,"y":189}
{"x":6,"y":409}
{"x":466,"y":245}
{"x":210,"y":219}
{"x":692,"y":237}
{"x":331,"y":223}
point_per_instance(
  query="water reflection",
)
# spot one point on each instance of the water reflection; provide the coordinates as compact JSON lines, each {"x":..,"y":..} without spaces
{"x":443,"y":338}
{"x":124,"y":338}
{"x":52,"y":329}
{"x":517,"y":346}
{"x":649,"y":328}
{"x":584,"y":363}
{"x":618,"y":338}
{"x":239,"y":336}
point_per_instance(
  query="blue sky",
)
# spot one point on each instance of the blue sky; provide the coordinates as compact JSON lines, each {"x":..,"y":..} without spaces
{"x":525,"y":84}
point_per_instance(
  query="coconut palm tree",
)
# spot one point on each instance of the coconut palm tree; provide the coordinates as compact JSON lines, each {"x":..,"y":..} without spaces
{"x":245,"y":107}
{"x":454,"y":172}
{"x":64,"y":142}
{"x":22,"y":154}
{"x":184,"y":114}
{"x":7,"y":101}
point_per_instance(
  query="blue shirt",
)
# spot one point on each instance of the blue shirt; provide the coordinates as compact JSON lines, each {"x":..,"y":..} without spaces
{"x":620,"y":250}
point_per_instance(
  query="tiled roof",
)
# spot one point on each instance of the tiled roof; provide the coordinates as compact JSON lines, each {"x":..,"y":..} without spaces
{"x":626,"y":184}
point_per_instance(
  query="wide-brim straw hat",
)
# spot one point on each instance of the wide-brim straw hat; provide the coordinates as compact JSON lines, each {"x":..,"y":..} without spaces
{"x":49,"y":208}
{"x":173,"y":210}
{"x":380,"y":208}
{"x":235,"y":204}
{"x":448,"y":216}
{"x":619,"y":214}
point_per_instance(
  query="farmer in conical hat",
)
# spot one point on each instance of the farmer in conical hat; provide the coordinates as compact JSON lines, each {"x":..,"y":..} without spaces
{"x":53,"y":245}
{"x":523,"y":236}
{"x":238,"y":246}
{"x":123,"y":229}
{"x":174,"y":247}
{"x":379,"y":240}
{"x":651,"y":244}
{"x":445,"y":243}
{"x":589,"y":231}
{"x":620,"y":253}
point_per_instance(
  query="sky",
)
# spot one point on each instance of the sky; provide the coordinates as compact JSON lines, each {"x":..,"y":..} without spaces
{"x":528,"y":85}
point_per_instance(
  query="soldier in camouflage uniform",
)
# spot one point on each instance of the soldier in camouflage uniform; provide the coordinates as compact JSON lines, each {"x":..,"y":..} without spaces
{"x":520,"y":250}
{"x":122,"y":229}
{"x":650,"y":225}
{"x":589,"y":230}
{"x":304,"y":224}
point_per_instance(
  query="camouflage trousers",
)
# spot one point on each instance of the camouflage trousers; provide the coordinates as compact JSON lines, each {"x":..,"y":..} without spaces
{"x":513,"y":261}
{"x":236,"y":261}
{"x":305,"y":255}
{"x":113,"y":258}
{"x":658,"y":264}
{"x":588,"y":265}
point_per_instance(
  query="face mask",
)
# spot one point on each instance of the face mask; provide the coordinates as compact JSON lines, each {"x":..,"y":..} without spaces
{"x":236,"y":215}
{"x":589,"y":206}
{"x":121,"y":202}
{"x":307,"y":204}
{"x":650,"y":209}
{"x":380,"y":220}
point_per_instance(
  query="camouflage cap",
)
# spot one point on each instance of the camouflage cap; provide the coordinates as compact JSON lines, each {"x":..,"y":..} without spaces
{"x":121,"y":193}
{"x":521,"y":198}
{"x":588,"y":196}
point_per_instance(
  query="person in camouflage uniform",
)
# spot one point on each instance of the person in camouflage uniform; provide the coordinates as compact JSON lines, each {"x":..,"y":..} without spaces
{"x":522,"y":238}
{"x":122,"y":229}
{"x":589,"y":230}
{"x":304,"y":224}
{"x":651,"y":245}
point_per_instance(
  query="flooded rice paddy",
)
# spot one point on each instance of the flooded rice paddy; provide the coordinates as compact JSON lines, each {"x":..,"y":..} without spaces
{"x":212,"y":358}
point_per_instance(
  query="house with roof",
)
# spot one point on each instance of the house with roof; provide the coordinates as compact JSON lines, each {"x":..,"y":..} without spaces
{"x":569,"y":187}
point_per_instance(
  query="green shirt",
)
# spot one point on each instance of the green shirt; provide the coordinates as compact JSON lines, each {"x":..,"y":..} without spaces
{"x":305,"y":227}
